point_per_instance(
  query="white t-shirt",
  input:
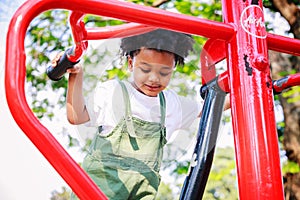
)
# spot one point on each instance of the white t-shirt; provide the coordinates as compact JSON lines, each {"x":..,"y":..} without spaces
{"x":106,"y":107}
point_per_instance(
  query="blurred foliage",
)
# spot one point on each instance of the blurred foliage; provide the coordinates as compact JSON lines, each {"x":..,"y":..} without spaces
{"x":292,"y":95}
{"x":64,"y":195}
{"x":269,"y":3}
{"x":222,"y":183}
{"x":46,"y":34}
{"x":165,"y":192}
{"x":198,"y":8}
{"x":291,"y":167}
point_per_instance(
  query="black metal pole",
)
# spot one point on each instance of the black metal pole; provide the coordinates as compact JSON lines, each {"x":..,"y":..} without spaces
{"x":200,"y":166}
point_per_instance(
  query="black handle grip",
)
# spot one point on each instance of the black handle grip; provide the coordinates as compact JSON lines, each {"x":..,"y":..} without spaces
{"x":56,"y":73}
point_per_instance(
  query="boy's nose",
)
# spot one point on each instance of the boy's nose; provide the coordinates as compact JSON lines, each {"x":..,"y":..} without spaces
{"x":153,"y":77}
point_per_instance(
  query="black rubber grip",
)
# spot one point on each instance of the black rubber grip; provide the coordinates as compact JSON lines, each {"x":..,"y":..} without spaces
{"x":56,"y":73}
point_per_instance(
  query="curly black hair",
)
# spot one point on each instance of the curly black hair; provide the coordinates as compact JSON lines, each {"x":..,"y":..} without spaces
{"x":161,"y":40}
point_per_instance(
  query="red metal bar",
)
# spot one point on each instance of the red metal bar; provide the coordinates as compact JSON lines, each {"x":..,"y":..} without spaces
{"x":286,"y":82}
{"x":144,"y":15}
{"x":79,"y":36}
{"x":283,"y":44}
{"x":15,"y":72}
{"x":213,"y":52}
{"x":256,"y":142}
{"x":117,"y":31}
{"x":223,"y":82}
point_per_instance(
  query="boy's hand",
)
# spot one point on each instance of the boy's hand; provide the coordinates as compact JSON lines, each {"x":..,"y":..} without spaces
{"x":56,"y":59}
{"x":74,"y":70}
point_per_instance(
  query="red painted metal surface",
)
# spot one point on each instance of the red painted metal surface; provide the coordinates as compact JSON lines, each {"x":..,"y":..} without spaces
{"x":286,"y":82}
{"x":79,"y":36}
{"x":117,"y":31}
{"x":256,"y":143}
{"x":283,"y":44}
{"x":223,"y":82}
{"x":213,"y":52}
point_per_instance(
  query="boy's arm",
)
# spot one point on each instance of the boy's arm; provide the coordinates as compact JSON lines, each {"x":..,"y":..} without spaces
{"x":227,"y":102}
{"x":76,"y":109}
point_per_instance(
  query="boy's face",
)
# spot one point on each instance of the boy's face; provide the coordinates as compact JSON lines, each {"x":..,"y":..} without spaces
{"x":152,"y":70}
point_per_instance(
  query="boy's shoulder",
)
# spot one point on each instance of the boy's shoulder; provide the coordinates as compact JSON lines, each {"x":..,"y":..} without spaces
{"x":170,"y":92}
{"x":111,"y":83}
{"x":171,"y":95}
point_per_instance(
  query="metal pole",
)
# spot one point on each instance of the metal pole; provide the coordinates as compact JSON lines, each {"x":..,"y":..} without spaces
{"x":256,"y":142}
{"x":200,"y":166}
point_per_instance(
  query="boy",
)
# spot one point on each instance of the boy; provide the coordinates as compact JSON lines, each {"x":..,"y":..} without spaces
{"x":134,"y":118}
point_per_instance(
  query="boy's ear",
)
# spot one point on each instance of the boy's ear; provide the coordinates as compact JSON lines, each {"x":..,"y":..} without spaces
{"x":130,"y":63}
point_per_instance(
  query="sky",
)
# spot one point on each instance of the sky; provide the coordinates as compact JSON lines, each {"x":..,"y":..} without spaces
{"x":24,"y":172}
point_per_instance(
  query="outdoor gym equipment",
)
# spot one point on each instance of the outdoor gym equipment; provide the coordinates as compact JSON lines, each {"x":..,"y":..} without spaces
{"x":242,"y":39}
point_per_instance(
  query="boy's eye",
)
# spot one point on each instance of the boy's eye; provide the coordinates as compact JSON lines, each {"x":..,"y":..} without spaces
{"x":164,"y":73}
{"x":145,"y":70}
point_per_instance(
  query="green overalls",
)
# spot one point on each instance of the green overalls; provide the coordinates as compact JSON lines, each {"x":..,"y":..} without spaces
{"x":125,"y":164}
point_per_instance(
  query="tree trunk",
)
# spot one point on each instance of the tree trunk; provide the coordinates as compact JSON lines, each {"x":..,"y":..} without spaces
{"x":291,"y":110}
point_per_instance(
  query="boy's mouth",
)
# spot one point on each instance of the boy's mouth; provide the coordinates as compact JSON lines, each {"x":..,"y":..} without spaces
{"x":153,"y":87}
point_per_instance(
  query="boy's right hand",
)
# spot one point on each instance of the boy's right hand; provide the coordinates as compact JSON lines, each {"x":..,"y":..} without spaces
{"x":77,"y":69}
{"x":56,"y":59}
{"x":74,"y":70}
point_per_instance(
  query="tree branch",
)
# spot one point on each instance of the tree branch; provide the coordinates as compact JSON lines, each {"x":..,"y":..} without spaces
{"x":291,"y":13}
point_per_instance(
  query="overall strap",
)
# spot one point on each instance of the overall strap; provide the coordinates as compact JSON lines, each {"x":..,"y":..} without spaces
{"x":126,"y":99}
{"x":128,"y":115}
{"x":162,"y":102}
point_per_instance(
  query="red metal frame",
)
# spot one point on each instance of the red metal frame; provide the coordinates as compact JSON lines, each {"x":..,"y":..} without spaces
{"x":286,"y":82}
{"x":256,"y":143}
{"x":245,"y":47}
{"x":81,"y":34}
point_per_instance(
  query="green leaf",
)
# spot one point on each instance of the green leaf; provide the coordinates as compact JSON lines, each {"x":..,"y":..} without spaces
{"x":291,"y":167}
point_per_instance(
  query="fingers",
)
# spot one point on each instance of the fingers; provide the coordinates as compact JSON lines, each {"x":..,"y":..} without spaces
{"x":75,"y":70}
{"x":56,"y":59}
